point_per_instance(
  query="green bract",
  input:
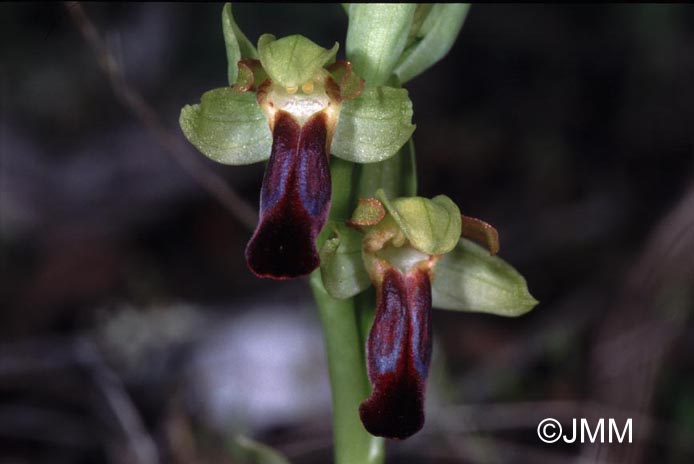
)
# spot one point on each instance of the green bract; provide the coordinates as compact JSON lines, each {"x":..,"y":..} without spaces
{"x":237,"y":44}
{"x":376,"y":37}
{"x":431,"y":226}
{"x":374,"y":126}
{"x":228,"y":127}
{"x":342,"y":269}
{"x":396,"y":176}
{"x":293,"y":60}
{"x":400,"y":39}
{"x":439,"y":29}
{"x":470,"y":279}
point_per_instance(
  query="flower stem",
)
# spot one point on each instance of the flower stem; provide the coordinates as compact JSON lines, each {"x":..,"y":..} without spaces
{"x":344,"y":336}
{"x":344,"y":346}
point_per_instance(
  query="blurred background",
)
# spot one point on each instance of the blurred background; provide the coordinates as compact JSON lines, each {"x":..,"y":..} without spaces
{"x":131,"y":330}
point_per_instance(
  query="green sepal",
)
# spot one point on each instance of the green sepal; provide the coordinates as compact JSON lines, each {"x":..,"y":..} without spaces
{"x":293,"y":60}
{"x":431,"y":226}
{"x":237,"y":44}
{"x":470,"y":279}
{"x":341,"y":265}
{"x":228,"y":126}
{"x":376,"y":37}
{"x":433,"y":40}
{"x":373,"y":126}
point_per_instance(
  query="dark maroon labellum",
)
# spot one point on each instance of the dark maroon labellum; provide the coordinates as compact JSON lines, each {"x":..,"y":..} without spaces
{"x":398,"y":355}
{"x":294,"y":200}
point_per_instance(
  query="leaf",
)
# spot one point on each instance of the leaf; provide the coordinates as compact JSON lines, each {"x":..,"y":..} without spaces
{"x":293,"y":60}
{"x":439,"y":31}
{"x":373,"y":126}
{"x":470,"y":279}
{"x":228,"y":127}
{"x":376,"y":37}
{"x":247,"y":451}
{"x":342,"y":268}
{"x":431,"y":226}
{"x":237,"y":44}
{"x":396,"y":176}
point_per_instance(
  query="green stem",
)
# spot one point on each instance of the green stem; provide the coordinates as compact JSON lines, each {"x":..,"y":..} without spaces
{"x":346,"y":323}
{"x":344,"y":337}
{"x":344,"y":349}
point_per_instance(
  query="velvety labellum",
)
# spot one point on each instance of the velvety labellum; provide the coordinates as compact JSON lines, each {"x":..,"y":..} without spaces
{"x":398,"y":355}
{"x":294,"y":200}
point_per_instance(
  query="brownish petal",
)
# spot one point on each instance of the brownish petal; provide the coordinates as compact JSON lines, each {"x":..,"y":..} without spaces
{"x":481,"y":232}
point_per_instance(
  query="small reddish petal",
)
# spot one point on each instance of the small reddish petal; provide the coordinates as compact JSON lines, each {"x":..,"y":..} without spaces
{"x":481,"y":232}
{"x":398,"y":355}
{"x":294,"y":200}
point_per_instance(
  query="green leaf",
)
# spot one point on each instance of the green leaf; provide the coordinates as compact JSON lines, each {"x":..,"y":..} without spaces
{"x":373,"y":126}
{"x":376,"y":37}
{"x":237,"y":44}
{"x":397,"y":175}
{"x":247,"y":451}
{"x":228,"y":127}
{"x":431,"y":226}
{"x":470,"y":279}
{"x":293,"y":60}
{"x":437,"y":34}
{"x":341,"y":266}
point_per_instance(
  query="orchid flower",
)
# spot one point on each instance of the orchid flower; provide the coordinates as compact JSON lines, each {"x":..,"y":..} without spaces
{"x":291,"y":103}
{"x":403,"y":242}
{"x":294,"y":104}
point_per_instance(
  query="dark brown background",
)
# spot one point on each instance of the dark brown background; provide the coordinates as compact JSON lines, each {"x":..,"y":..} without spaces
{"x":132,"y":331}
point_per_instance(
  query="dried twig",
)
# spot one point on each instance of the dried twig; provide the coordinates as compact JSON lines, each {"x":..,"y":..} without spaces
{"x":140,"y":447}
{"x":171,"y":143}
{"x":44,"y":356}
